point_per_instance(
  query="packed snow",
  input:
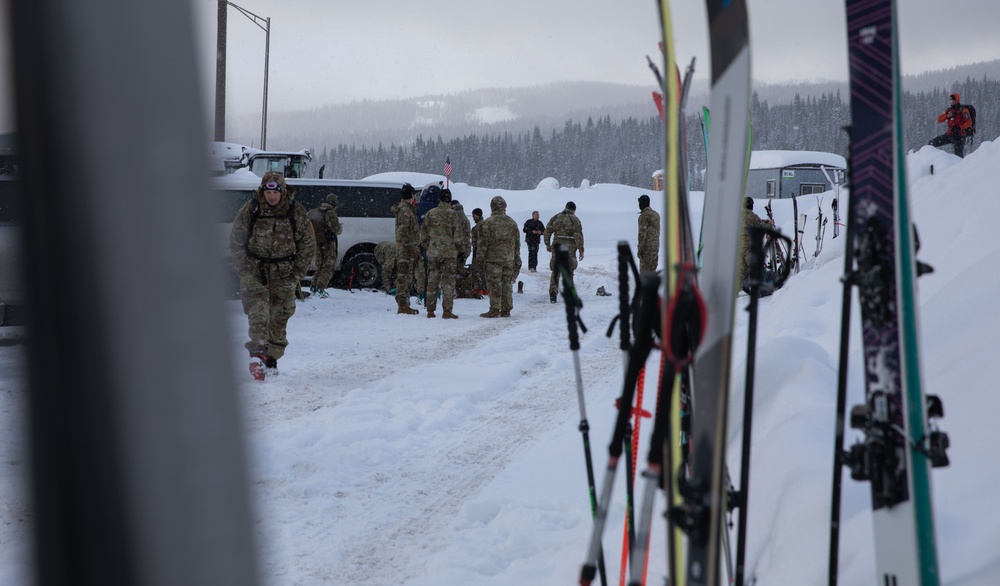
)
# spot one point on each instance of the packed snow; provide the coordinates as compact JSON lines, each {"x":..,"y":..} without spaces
{"x":402,"y":450}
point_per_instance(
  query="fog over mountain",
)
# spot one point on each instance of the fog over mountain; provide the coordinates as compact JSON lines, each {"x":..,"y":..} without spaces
{"x":495,"y":111}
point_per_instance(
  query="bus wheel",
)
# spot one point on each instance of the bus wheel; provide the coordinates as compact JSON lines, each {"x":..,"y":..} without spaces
{"x":362,"y":271}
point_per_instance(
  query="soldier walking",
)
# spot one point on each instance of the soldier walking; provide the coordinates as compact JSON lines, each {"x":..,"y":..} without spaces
{"x":500,"y":251}
{"x":272,"y":244}
{"x":563,"y":228}
{"x":326,"y":226}
{"x":533,"y":229}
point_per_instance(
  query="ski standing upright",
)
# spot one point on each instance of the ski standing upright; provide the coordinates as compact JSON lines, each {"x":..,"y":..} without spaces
{"x":898,"y":447}
{"x":704,"y":491}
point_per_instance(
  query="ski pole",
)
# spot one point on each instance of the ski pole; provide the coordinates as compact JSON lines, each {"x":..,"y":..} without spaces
{"x":640,"y":351}
{"x":631,"y":432}
{"x":655,"y":476}
{"x":573,"y":305}
{"x":845,"y":343}
{"x":756,"y":276}
{"x":756,"y":281}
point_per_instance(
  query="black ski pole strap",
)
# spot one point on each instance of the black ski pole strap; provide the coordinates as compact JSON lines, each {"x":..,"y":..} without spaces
{"x":573,"y":302}
{"x":624,"y":255}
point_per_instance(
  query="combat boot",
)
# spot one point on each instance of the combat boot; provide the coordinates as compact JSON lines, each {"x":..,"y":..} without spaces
{"x":448,"y":315}
{"x":490,"y":313}
{"x":271,"y":366}
{"x":505,"y":313}
{"x":405,"y":309}
{"x":430,"y":313}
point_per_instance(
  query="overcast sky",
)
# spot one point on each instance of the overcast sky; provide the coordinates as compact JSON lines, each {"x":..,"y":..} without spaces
{"x":328,"y":51}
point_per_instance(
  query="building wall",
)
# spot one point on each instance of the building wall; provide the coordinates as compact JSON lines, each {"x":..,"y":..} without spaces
{"x":788,"y":181}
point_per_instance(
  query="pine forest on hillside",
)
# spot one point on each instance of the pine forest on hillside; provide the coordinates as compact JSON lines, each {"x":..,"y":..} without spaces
{"x":628,"y":152}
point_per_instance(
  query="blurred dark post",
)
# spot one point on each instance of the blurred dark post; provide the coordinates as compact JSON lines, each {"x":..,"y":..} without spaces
{"x":138,"y":466}
{"x":220,"y":73}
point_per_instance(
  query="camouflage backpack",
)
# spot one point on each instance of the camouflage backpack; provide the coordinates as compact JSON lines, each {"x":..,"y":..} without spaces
{"x":318,"y":219}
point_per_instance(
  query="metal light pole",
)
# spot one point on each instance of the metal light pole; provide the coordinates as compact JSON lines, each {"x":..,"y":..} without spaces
{"x":265,"y":25}
{"x":220,"y":73}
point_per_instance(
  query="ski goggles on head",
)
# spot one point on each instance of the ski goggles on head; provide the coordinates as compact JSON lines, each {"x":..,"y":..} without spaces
{"x":272,"y":186}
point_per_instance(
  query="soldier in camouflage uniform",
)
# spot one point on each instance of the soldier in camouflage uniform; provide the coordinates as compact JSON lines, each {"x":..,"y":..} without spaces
{"x":272,"y":244}
{"x":563,"y":228}
{"x":407,"y":247}
{"x":750,"y":220}
{"x":464,"y":229}
{"x":326,"y":225}
{"x":478,"y":271}
{"x":441,"y":240}
{"x":500,"y":250}
{"x":649,"y":236}
{"x":385,"y":255}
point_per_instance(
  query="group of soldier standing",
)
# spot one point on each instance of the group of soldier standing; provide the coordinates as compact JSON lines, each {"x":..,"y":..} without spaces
{"x":274,"y":240}
{"x":444,"y":241}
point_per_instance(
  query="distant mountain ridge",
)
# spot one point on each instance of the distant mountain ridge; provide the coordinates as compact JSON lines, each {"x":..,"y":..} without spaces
{"x":495,"y":111}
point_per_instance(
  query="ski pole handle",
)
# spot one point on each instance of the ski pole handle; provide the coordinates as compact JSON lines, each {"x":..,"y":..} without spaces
{"x":569,"y":296}
{"x":624,"y":253}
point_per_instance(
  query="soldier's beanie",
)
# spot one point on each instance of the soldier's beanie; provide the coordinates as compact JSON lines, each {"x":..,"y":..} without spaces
{"x":445,"y":195}
{"x":272,"y":180}
{"x":748,"y":203}
{"x":570,"y":206}
{"x":332,"y":199}
{"x":455,"y":203}
{"x":644,"y":200}
{"x":477,"y":212}
{"x":406,"y":191}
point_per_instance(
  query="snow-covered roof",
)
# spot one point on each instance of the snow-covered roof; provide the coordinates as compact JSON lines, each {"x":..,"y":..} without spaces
{"x":780,"y":159}
{"x":252,"y":152}
{"x":226,"y":150}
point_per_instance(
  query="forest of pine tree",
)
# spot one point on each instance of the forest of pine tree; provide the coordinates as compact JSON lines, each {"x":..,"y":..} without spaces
{"x":629,"y":152}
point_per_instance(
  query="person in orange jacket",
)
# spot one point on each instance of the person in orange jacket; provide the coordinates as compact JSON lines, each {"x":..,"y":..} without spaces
{"x":959,"y":122}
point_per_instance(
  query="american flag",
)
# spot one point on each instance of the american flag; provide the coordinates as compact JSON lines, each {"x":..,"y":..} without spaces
{"x":447,"y":166}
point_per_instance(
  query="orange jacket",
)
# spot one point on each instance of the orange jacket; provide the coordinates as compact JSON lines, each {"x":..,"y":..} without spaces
{"x":958,"y":119}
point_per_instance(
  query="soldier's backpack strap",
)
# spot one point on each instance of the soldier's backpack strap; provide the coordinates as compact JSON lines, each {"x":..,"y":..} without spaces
{"x":261,"y":261}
